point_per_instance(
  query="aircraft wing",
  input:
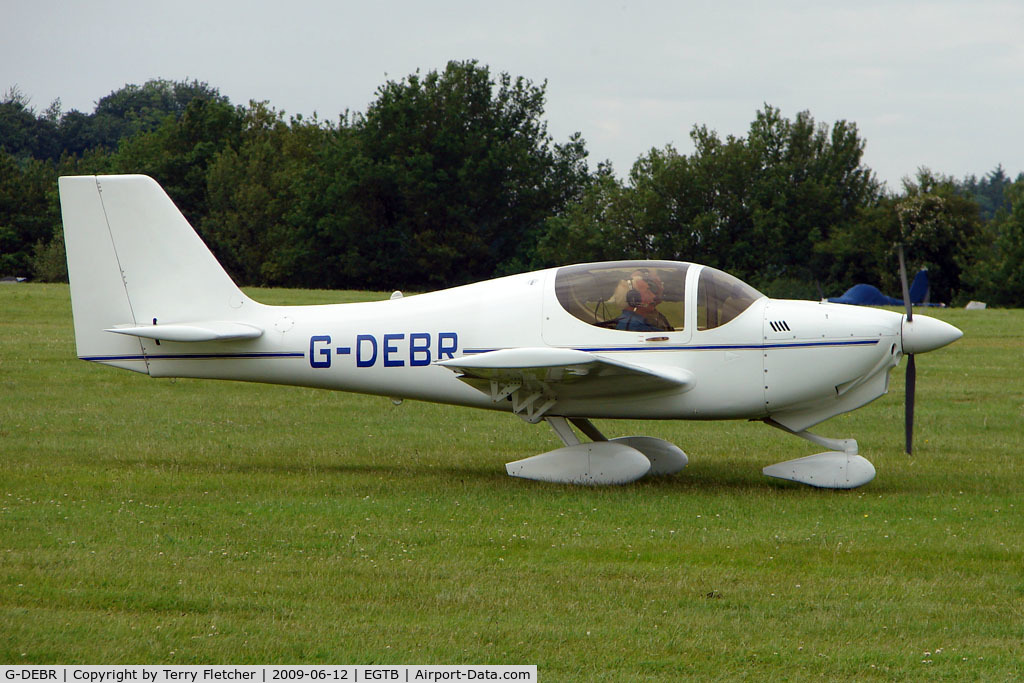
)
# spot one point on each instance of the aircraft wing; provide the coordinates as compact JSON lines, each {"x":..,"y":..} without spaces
{"x":536,"y":379}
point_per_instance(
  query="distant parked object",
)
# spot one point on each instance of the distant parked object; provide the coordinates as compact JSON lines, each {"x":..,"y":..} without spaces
{"x":869,"y":295}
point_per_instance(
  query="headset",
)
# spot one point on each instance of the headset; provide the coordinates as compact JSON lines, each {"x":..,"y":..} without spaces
{"x":634,"y":298}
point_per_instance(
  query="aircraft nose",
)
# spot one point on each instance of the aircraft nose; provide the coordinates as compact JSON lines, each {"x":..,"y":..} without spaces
{"x":922,"y":334}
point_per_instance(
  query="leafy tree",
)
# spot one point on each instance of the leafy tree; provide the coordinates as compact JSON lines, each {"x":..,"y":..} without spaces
{"x":135,"y":109}
{"x":810,"y":182}
{"x":451,"y":176}
{"x":597,"y":227}
{"x":23,"y":134}
{"x":755,"y":206}
{"x":123,"y":113}
{"x":179,"y":152}
{"x":938,"y":227}
{"x":28,"y":213}
{"x":49,"y":258}
{"x":989,"y":192}
{"x":996,"y":273}
{"x":447,"y":178}
{"x":936,"y":224}
{"x":170,"y":130}
{"x":863,"y":250}
{"x":257,"y":195}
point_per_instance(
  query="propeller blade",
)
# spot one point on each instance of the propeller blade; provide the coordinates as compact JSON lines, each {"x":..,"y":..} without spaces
{"x":906,"y":287}
{"x":909,"y":405}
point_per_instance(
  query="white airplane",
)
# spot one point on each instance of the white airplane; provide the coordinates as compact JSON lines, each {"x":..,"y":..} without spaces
{"x":629,"y":339}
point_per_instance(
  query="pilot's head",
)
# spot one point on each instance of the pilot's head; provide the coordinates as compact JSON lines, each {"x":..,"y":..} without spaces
{"x":645,"y":290}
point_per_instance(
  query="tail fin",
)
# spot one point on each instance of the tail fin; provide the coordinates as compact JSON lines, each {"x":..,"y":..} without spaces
{"x":919,"y":287}
{"x":134,"y":262}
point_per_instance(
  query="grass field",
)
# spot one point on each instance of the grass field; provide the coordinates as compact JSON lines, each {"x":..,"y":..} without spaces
{"x":157,"y":521}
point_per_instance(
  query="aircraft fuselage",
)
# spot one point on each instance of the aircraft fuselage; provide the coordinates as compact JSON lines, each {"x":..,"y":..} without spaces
{"x":799,"y":361}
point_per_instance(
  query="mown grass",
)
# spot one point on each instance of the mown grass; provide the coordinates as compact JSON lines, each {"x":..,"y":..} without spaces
{"x":156,"y":521}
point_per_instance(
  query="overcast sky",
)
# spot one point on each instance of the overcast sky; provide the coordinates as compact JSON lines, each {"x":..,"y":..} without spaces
{"x":936,"y":84}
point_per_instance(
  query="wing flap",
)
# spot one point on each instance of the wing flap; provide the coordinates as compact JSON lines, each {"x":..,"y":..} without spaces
{"x":567,"y":373}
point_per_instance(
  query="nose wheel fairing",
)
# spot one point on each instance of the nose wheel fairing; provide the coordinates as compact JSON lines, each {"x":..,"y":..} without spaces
{"x":829,"y":470}
{"x":840,"y":468}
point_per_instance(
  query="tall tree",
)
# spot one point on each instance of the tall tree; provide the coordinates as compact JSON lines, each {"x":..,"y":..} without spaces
{"x":179,"y":151}
{"x":28,"y":212}
{"x":447,"y":178}
{"x":938,"y":227}
{"x":935,"y":222}
{"x":23,"y":133}
{"x":995,"y":274}
{"x":257,"y":198}
{"x":755,"y":206}
{"x":989,"y":192}
{"x":136,"y":109}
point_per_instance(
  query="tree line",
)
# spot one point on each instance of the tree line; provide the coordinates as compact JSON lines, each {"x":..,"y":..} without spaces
{"x":451,"y":176}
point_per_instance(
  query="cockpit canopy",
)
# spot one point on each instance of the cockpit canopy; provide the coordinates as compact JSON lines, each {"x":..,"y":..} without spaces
{"x":721,"y":298}
{"x":649,"y":295}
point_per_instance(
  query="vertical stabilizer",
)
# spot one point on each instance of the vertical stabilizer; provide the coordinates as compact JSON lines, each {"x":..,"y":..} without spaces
{"x":919,"y":288}
{"x":134,"y":259}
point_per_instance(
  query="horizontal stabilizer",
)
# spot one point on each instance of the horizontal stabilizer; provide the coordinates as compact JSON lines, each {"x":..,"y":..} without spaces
{"x":192,"y":332}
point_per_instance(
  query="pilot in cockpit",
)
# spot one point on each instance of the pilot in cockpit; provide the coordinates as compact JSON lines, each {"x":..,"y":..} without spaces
{"x":641,"y":295}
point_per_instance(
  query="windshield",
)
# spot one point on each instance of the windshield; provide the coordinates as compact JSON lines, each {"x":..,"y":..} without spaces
{"x":625,"y":295}
{"x":721,"y":298}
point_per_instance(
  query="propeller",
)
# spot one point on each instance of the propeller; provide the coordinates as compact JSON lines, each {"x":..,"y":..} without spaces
{"x":911,"y":380}
{"x":919,"y":335}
